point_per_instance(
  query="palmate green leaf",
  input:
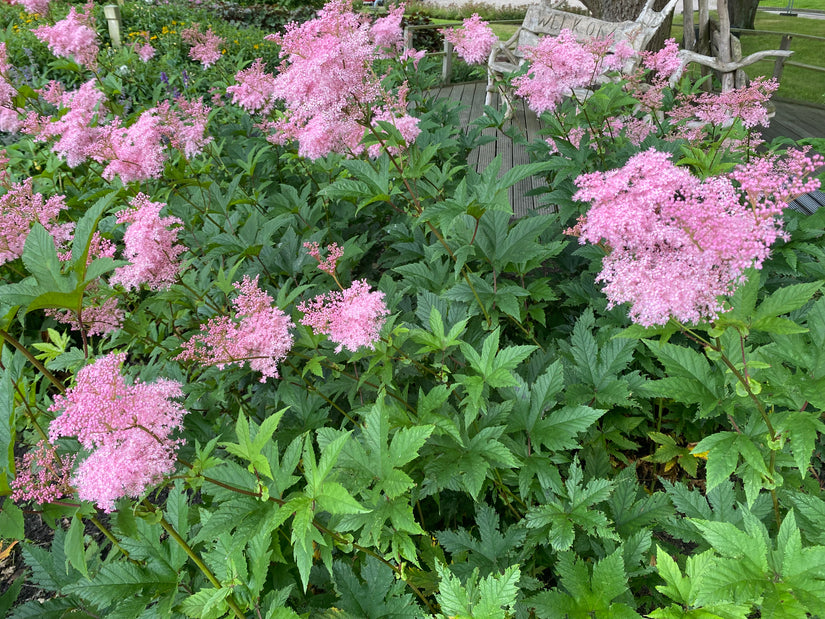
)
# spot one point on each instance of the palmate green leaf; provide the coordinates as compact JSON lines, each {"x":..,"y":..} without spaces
{"x":558,"y":430}
{"x":690,"y":379}
{"x":40,"y":259}
{"x":582,"y":595}
{"x":379,"y":596}
{"x":683,"y":590}
{"x":492,"y":550}
{"x":487,"y":598}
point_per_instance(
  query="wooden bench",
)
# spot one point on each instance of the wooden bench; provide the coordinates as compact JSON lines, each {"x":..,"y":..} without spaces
{"x":543,"y":20}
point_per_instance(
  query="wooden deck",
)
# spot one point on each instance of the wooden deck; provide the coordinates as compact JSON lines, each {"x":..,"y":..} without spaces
{"x":792,"y":120}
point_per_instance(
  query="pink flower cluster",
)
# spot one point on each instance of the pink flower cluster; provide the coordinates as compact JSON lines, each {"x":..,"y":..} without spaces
{"x":39,"y":7}
{"x":328,"y":84}
{"x":206,"y":46}
{"x":20,"y":208}
{"x":474,"y":41}
{"x":144,"y":50}
{"x":254,"y":89}
{"x":677,"y":243}
{"x":77,"y":131}
{"x":351,"y":318}
{"x":334,"y":254}
{"x":559,"y":65}
{"x":151,"y":246}
{"x":665,"y":62}
{"x":9,"y":121}
{"x":127,"y":428}
{"x":135,"y":153}
{"x":72,"y":37}
{"x":42,"y":476}
{"x":100,"y":314}
{"x":259,"y":334}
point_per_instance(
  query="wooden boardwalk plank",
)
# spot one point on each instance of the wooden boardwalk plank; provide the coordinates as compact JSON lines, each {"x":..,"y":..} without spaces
{"x":792,"y":120}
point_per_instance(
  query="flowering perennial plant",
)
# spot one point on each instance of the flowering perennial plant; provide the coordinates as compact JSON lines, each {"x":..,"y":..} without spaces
{"x":259,"y":334}
{"x":328,"y":264}
{"x":79,"y":137}
{"x":127,"y":427}
{"x":352,"y":318}
{"x":151,"y":246}
{"x":206,"y":46}
{"x":43,"y":476}
{"x":20,"y":208}
{"x":39,"y":7}
{"x":73,"y":37}
{"x":9,"y":120}
{"x":328,"y":83}
{"x":254,"y":88}
{"x":473,"y":41}
{"x":675,"y":243}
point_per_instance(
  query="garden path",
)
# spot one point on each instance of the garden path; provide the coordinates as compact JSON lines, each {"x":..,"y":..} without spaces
{"x":793,"y":120}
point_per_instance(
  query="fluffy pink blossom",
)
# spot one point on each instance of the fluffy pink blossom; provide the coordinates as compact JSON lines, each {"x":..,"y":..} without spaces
{"x":677,"y":243}
{"x":665,"y":62}
{"x":77,"y":130}
{"x":126,"y":426}
{"x":72,"y":37}
{"x":259,"y":334}
{"x":20,"y":208}
{"x":254,"y":89}
{"x":9,"y":118}
{"x":206,"y":46}
{"x":185,"y":127}
{"x":414,"y":55}
{"x":558,"y":65}
{"x":328,"y":264}
{"x":151,"y":246}
{"x":39,"y":7}
{"x":473,"y":41}
{"x":351,"y":318}
{"x":135,"y":153}
{"x":327,"y":82}
{"x":144,"y":50}
{"x":42,"y":476}
{"x":52,"y":92}
{"x":100,"y":314}
{"x":386,"y":33}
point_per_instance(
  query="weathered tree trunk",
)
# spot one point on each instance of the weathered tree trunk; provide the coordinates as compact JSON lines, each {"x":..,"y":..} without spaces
{"x":621,"y":10}
{"x":743,"y":13}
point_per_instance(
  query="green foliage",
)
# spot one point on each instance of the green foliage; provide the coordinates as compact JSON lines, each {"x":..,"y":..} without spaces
{"x":509,"y":447}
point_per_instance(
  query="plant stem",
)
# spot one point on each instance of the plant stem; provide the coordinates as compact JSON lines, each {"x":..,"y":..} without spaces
{"x":35,"y":362}
{"x":170,"y":530}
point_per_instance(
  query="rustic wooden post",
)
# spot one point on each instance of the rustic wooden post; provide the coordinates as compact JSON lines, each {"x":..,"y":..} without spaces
{"x":112,"y":13}
{"x":408,"y":38}
{"x":724,"y":54}
{"x":689,"y":34}
{"x":447,"y":64}
{"x":704,"y":27}
{"x":779,"y":64}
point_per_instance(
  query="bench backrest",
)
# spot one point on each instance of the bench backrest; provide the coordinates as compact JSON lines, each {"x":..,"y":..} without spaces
{"x":543,"y":20}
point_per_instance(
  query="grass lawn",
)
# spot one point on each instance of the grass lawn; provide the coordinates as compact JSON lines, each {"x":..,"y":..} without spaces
{"x":798,"y":4}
